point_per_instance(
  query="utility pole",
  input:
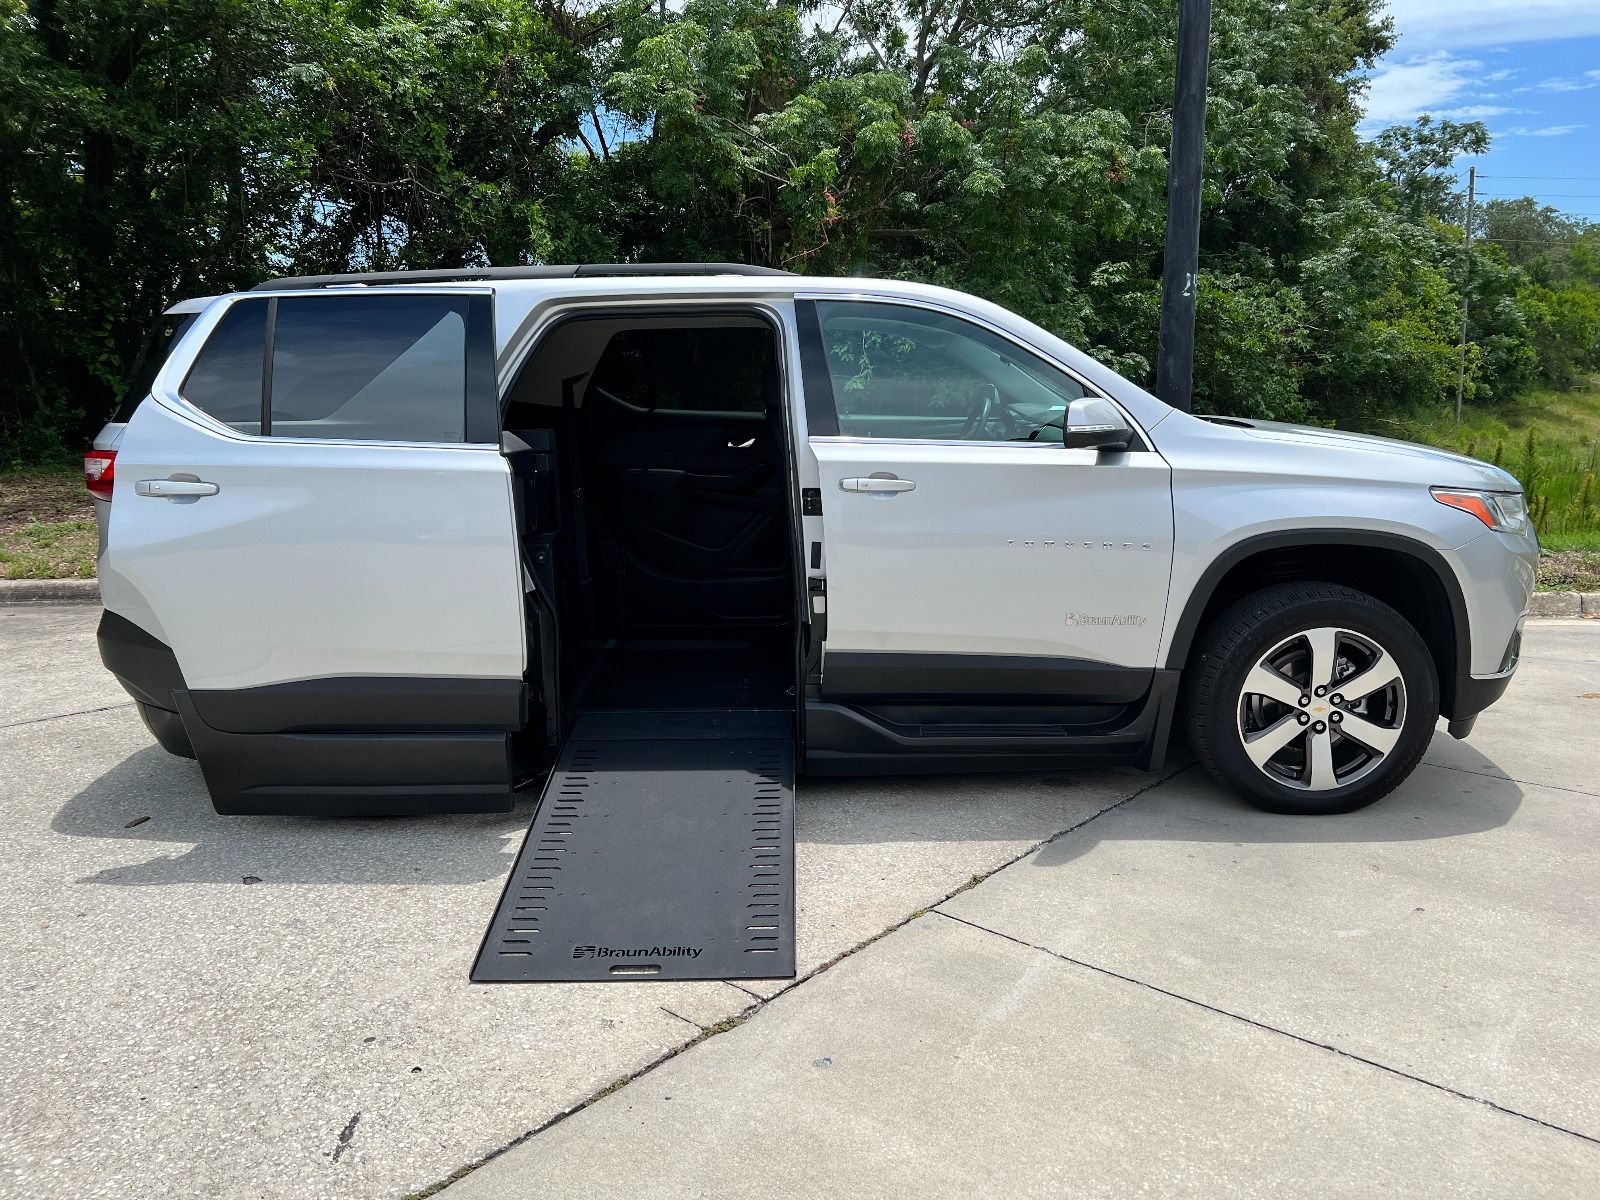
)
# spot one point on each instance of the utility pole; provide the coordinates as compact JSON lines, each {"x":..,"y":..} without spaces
{"x":1185,"y":166}
{"x":1466,"y":278}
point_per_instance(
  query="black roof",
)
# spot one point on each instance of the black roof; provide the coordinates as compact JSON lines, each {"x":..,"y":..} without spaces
{"x":490,"y":274}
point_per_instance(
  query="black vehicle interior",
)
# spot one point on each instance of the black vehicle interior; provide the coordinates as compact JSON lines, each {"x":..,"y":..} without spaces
{"x":654,"y":490}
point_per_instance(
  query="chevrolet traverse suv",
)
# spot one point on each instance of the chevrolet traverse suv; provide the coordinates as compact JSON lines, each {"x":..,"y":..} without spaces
{"x":372,"y":542}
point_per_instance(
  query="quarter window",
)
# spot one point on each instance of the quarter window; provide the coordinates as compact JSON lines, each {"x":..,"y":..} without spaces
{"x":225,"y":380}
{"x":900,"y":372}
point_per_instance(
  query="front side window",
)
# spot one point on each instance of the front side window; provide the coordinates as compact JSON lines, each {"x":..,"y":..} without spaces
{"x":351,"y":368}
{"x":906,"y":373}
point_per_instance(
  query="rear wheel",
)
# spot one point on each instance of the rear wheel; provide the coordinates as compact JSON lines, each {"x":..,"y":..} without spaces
{"x":1311,"y":698}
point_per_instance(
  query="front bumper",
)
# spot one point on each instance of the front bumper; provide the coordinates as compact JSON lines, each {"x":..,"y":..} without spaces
{"x":1474,"y":693}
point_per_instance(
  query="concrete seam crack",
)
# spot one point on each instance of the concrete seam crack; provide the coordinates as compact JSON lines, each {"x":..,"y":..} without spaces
{"x":1554,"y":787}
{"x":681,"y":1017}
{"x":1262,"y":1025}
{"x":82,"y":712}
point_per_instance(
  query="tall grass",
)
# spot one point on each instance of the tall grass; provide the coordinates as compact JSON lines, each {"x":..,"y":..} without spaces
{"x":1551,"y":442}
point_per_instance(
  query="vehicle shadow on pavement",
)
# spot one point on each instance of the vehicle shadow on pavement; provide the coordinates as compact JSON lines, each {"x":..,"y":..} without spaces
{"x":204,"y":847}
{"x":1434,"y":803}
{"x":199,"y":846}
{"x":1189,"y":805}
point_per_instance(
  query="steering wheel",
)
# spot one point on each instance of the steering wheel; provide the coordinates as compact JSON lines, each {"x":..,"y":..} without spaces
{"x":983,"y":405}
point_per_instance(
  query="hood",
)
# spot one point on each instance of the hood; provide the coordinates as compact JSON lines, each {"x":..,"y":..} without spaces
{"x":1461,"y":470}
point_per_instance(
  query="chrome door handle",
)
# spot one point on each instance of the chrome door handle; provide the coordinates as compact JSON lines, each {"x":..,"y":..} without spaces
{"x":174,"y":489}
{"x":877,"y":483}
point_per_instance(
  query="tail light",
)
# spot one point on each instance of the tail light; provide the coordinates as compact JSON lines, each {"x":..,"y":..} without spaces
{"x":99,"y":472}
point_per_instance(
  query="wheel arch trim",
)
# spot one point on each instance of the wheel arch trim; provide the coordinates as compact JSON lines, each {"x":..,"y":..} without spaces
{"x":1187,"y":626}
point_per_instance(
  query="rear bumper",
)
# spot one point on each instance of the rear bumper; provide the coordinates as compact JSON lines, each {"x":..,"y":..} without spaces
{"x":144,"y":665}
{"x":328,"y":747}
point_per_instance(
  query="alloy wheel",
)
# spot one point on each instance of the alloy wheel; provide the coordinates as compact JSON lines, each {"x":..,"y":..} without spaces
{"x":1322,"y":709}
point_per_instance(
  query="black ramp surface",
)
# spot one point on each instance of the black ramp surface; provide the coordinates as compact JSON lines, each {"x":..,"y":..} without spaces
{"x":663,"y":848}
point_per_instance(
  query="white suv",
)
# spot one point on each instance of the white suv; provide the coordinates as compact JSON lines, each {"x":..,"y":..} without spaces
{"x":372,"y":542}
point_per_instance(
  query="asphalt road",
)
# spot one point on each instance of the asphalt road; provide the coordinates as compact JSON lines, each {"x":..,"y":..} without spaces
{"x":1163,"y":988}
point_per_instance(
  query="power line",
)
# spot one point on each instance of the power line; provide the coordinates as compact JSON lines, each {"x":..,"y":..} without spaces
{"x":1563,"y":178}
{"x":1545,"y":196}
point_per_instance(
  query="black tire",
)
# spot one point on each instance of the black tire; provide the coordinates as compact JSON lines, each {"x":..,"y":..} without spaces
{"x":167,"y":728}
{"x":1217,"y":709}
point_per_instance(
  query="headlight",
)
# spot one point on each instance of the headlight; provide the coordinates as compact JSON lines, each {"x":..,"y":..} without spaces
{"x":1504,"y":511}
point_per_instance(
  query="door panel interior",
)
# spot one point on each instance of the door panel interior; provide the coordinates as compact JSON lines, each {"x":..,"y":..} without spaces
{"x":688,"y":504}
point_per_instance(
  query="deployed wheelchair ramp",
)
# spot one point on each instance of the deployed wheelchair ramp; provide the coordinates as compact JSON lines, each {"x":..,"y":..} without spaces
{"x":662,"y":848}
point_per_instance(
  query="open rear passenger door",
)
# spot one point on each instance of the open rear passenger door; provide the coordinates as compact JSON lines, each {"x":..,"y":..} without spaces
{"x":313,"y":523}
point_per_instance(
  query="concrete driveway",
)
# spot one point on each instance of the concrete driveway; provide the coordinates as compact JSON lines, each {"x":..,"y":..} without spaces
{"x":1172,"y":992}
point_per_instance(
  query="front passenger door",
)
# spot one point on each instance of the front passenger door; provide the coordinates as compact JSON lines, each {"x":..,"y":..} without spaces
{"x":968,"y":553}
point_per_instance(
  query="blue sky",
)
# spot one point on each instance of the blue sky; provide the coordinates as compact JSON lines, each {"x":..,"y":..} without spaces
{"x":1528,"y":69}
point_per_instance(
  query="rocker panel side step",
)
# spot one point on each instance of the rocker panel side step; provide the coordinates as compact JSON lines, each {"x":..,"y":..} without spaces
{"x":662,"y":848}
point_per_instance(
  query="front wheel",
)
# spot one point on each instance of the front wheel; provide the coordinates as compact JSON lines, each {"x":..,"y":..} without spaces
{"x":1311,"y":698}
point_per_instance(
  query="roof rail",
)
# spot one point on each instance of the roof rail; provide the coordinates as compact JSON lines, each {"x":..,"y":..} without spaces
{"x":491,"y":274}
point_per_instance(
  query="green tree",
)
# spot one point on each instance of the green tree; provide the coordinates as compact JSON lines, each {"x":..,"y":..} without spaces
{"x":1417,"y":162}
{"x":430,"y":132}
{"x":1565,"y":330}
{"x":141,"y":159}
{"x":154,"y":151}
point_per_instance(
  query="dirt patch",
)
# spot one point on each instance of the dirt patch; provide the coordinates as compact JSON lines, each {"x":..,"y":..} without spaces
{"x":1569,"y":571}
{"x":42,"y":497}
{"x":47,"y":528}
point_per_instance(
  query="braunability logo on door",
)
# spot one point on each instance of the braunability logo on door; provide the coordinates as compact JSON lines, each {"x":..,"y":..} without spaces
{"x":646,"y":952}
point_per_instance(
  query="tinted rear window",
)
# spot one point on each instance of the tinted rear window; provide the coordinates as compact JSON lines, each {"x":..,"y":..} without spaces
{"x":390,"y":367}
{"x":351,"y":368}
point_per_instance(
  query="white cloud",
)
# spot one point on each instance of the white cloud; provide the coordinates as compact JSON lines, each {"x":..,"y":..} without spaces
{"x":1453,"y":25}
{"x":1398,"y":92}
{"x":1546,"y":131}
{"x":1476,"y":112}
{"x":1590,"y":80}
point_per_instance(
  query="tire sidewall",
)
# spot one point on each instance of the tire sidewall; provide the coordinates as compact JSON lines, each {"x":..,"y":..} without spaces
{"x":1371,"y":619}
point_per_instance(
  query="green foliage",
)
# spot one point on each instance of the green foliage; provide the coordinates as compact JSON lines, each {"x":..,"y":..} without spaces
{"x":1254,"y":336}
{"x":1011,"y":148}
{"x":1565,"y":330}
{"x":429,"y":131}
{"x":141,"y":160}
{"x":1385,"y":310}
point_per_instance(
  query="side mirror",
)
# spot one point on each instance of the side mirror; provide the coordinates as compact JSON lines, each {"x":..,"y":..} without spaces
{"x":1096,"y":424}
